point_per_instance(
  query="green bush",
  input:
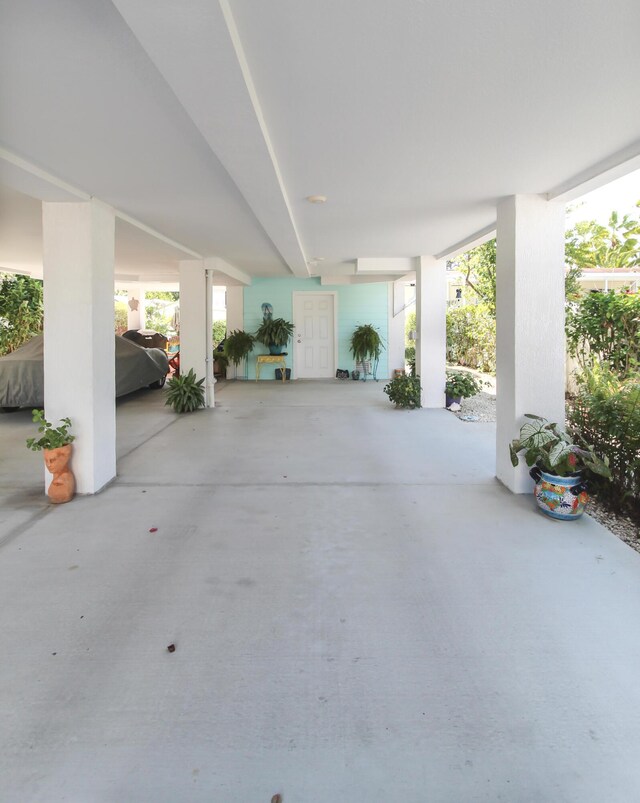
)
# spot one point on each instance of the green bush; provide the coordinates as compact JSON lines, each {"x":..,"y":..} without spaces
{"x":218,"y":332}
{"x":606,"y":414}
{"x":404,"y":391}
{"x":471,"y":337}
{"x":21,"y":311}
{"x":606,"y":327}
{"x":462,"y":384}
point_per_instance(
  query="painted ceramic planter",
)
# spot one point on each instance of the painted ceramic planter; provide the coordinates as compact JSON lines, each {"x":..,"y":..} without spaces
{"x":562,"y":498}
{"x":275,"y":349}
{"x":449,"y":400}
{"x":63,"y":484}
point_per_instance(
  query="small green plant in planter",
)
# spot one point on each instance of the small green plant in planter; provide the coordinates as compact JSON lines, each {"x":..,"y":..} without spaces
{"x":52,"y":437}
{"x":461,"y":385}
{"x":274,"y":333}
{"x":404,"y":391}
{"x":238,"y":346}
{"x":185,"y":393}
{"x":366,"y":344}
{"x":559,"y":466}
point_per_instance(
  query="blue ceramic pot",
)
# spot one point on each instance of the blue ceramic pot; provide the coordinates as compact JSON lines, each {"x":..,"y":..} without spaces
{"x":275,"y":349}
{"x":562,"y":498}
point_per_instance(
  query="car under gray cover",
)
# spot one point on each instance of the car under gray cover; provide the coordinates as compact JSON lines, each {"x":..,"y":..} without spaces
{"x":22,"y":371}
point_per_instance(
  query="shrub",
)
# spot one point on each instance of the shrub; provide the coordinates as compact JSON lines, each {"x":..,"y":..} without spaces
{"x":462,"y":384}
{"x":21,"y":311}
{"x":404,"y":391}
{"x":410,"y":358}
{"x":606,"y":413}
{"x":606,"y":327}
{"x":471,"y":337}
{"x":218,"y":332}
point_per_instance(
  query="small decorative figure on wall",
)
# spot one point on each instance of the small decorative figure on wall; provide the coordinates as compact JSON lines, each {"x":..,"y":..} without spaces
{"x":267,"y":311}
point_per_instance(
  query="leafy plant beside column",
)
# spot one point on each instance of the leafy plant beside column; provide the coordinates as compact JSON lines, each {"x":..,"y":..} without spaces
{"x":366,"y":345}
{"x":185,"y":393}
{"x":404,"y":391}
{"x":238,"y":346}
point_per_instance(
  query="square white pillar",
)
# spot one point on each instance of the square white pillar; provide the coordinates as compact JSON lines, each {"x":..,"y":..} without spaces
{"x":193,"y":318}
{"x":136,"y":306}
{"x":235,"y":320}
{"x":79,"y":342}
{"x":530,"y":342}
{"x":431,"y":326}
{"x":395,"y":339}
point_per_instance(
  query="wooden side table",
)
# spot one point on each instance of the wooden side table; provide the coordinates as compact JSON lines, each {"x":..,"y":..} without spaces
{"x":271,"y":359}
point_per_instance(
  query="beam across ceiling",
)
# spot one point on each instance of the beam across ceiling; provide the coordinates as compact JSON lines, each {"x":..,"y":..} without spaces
{"x":201,"y":57}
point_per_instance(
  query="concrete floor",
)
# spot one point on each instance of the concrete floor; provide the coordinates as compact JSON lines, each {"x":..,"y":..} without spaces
{"x":360,"y":611}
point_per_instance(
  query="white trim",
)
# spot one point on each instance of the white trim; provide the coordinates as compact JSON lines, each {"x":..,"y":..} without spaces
{"x":473,"y":240}
{"x":54,"y":181}
{"x":334,"y":293}
{"x":613,"y":167}
{"x":296,"y":261}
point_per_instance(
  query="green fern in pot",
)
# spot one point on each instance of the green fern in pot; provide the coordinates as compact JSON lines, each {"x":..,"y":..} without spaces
{"x":366,"y":343}
{"x":238,"y":346}
{"x":274,"y":333}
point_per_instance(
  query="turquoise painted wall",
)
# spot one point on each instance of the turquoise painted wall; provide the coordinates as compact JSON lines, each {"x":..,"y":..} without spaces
{"x":357,"y":304}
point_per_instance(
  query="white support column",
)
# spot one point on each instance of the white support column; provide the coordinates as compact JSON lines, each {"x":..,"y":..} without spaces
{"x":431,"y":322}
{"x":395,"y":345}
{"x":79,"y":345}
{"x":193,"y":318}
{"x":530,"y":323}
{"x":235,"y":320}
{"x":136,"y":312}
{"x":210,"y":378}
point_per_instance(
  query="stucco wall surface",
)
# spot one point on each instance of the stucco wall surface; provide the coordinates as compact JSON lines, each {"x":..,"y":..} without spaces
{"x":355,"y":305}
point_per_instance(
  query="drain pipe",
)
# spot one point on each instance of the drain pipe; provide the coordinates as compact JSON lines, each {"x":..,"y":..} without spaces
{"x":210,"y":378}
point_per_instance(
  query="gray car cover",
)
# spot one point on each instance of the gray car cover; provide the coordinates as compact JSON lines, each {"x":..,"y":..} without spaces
{"x":22,"y":371}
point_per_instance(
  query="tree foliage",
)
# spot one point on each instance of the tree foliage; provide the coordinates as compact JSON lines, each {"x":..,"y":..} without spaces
{"x":21,"y":311}
{"x":479,"y":269}
{"x":589,"y":244}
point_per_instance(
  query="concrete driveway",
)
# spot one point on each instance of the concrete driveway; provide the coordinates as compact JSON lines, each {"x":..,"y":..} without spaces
{"x":360,"y":613}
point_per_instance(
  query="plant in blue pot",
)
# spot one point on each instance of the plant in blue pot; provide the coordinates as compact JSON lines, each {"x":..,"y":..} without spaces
{"x":559,"y":467}
{"x":274,"y":333}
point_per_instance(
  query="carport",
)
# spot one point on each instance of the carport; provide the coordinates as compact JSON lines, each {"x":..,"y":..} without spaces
{"x":360,"y":612}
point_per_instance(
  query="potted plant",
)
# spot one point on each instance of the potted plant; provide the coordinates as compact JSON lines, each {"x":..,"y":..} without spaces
{"x":460,"y":385}
{"x":185,"y":393}
{"x":238,"y":346}
{"x":366,"y":344}
{"x":274,"y":333}
{"x":559,"y":467}
{"x":404,"y":391}
{"x":55,"y":443}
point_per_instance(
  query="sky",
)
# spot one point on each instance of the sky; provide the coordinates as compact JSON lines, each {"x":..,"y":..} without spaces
{"x":619,"y":196}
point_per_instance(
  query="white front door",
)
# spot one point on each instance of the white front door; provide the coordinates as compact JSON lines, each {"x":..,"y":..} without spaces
{"x":314,"y":335}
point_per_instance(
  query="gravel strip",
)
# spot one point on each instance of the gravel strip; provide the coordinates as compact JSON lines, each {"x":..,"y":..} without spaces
{"x":482,"y":408}
{"x":622,"y":526}
{"x":479,"y":408}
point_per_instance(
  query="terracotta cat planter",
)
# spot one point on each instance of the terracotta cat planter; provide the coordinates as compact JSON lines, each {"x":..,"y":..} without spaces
{"x":63,"y":484}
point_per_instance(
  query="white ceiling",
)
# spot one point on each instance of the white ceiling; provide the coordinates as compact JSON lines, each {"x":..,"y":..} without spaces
{"x":210,"y":122}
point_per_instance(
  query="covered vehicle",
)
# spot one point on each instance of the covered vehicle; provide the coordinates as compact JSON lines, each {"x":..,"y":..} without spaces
{"x":22,"y":371}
